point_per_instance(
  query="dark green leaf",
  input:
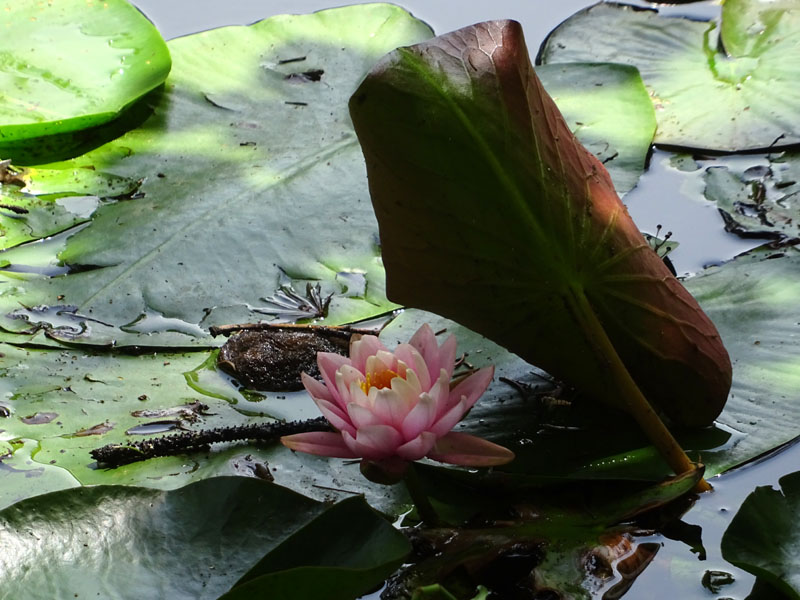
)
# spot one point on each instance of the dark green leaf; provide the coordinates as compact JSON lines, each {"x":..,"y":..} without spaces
{"x":360,"y":550}
{"x":764,"y":536}
{"x":491,"y":213}
{"x":129,"y":542}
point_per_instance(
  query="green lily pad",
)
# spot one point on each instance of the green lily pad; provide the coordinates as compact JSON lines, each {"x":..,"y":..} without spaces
{"x":608,"y":109}
{"x":361,"y":549}
{"x":764,"y":536}
{"x":72,"y":65}
{"x":195,"y":542}
{"x":762,"y":200}
{"x":232,"y":208}
{"x":703,"y":97}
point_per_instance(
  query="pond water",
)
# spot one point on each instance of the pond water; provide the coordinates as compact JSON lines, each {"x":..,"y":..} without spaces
{"x":664,"y":196}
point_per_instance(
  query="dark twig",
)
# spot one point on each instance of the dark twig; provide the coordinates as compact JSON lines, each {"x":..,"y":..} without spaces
{"x":116,"y":455}
{"x":344,"y":331}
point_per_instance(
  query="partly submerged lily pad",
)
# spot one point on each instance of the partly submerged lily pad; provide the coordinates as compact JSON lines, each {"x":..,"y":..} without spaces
{"x":760,"y":200}
{"x":73,"y":64}
{"x":704,"y":98}
{"x":764,"y":536}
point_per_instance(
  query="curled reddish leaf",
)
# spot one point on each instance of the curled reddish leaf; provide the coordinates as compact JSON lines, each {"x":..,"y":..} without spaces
{"x":492,"y":213}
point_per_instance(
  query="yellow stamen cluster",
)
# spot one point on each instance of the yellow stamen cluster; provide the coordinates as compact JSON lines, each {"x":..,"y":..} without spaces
{"x":380,"y":380}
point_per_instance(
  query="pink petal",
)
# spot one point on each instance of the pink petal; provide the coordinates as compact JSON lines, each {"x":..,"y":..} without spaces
{"x":440,"y":392}
{"x":321,"y":443}
{"x":447,"y":356}
{"x":471,"y":388}
{"x":329,"y":363}
{"x":357,"y":396}
{"x":418,"y":447}
{"x":425,"y":343}
{"x":391,"y":406}
{"x":414,"y":361}
{"x":420,"y":418}
{"x":345,"y":377}
{"x":316,"y":389}
{"x":362,"y":348}
{"x":361,"y":416}
{"x":449,"y":419}
{"x":374,"y":442}
{"x":335,"y":416}
{"x":469,"y":451}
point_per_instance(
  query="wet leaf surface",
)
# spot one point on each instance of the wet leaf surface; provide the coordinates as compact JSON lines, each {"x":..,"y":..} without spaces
{"x":361,"y":549}
{"x":228,"y":203}
{"x":131,"y":542}
{"x":703,"y":97}
{"x":115,"y":56}
{"x":759,"y":200}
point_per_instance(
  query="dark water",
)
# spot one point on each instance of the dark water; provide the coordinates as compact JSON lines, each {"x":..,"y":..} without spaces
{"x":664,"y":196}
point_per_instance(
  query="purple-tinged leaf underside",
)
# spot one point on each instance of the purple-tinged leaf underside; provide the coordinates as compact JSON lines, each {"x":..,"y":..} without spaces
{"x":491,"y":213}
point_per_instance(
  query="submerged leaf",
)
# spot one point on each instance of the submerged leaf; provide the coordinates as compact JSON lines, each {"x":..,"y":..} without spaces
{"x":492,"y":214}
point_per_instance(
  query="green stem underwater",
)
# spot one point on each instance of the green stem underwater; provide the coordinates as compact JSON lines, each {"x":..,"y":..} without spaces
{"x":635,"y":402}
{"x":425,"y":510}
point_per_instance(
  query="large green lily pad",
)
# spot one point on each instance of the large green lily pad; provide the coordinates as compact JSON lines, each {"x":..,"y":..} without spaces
{"x":195,"y":542}
{"x":248,"y":157}
{"x":764,"y":536}
{"x":704,"y":98}
{"x":73,"y":64}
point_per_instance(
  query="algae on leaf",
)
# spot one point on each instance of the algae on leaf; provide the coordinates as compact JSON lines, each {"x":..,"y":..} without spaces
{"x":744,"y":99}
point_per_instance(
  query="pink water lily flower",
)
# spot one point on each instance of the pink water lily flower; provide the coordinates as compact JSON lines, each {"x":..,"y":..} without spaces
{"x":390,"y":405}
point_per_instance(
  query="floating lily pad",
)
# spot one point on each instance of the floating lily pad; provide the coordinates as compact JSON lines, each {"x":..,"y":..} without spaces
{"x":704,"y":98}
{"x":762,"y":200}
{"x":195,"y":542}
{"x":361,"y":549}
{"x":70,"y":65}
{"x":232,"y":208}
{"x":764,"y":536}
{"x":608,"y":109}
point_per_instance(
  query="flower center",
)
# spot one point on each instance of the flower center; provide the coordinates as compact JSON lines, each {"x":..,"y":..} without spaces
{"x":380,"y":380}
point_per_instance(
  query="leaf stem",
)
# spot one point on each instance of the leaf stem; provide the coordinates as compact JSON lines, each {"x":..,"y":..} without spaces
{"x":425,"y":510}
{"x":633,"y":398}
